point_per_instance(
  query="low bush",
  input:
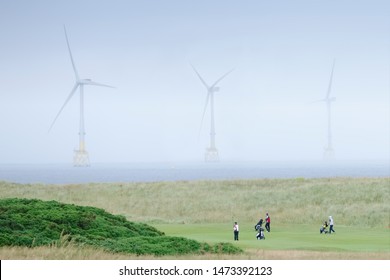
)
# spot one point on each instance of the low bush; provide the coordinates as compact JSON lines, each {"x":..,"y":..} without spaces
{"x":32,"y":222}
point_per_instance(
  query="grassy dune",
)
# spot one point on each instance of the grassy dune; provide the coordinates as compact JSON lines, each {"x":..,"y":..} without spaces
{"x":351,"y":201}
{"x":205,"y":210}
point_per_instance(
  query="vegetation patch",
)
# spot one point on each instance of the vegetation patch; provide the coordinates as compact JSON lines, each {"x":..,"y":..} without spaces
{"x":32,"y":222}
{"x":352,"y":202}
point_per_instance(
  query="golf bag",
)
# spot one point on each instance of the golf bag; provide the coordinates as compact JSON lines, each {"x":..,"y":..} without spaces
{"x":324,"y":227}
{"x":260,"y":230}
{"x":323,"y":230}
{"x":259,"y":224}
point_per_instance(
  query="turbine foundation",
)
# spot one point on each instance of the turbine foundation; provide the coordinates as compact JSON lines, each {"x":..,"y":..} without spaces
{"x":328,"y":153}
{"x":80,"y":158}
{"x":211,"y":155}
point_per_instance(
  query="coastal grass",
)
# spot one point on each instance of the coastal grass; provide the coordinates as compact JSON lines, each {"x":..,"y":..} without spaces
{"x":72,"y":252}
{"x":355,"y":202}
{"x":205,"y":211}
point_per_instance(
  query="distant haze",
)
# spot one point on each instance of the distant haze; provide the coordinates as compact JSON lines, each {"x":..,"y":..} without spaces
{"x":282,"y":52}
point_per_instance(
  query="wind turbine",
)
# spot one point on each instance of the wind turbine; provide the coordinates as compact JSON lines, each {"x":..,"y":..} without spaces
{"x":211,"y":154}
{"x":81,"y":157}
{"x":328,"y":150}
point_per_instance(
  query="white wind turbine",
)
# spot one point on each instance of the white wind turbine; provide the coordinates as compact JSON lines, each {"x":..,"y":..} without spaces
{"x":211,"y":154}
{"x":328,"y":150}
{"x":80,"y":157}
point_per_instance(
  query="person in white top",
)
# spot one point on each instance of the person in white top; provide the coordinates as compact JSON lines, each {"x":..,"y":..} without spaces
{"x":331,"y":225}
{"x":236,"y":230}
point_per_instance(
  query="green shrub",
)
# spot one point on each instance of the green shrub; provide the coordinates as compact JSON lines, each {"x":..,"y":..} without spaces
{"x":30,"y":223}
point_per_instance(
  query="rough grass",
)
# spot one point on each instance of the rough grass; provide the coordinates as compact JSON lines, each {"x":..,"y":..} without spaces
{"x":72,"y":252}
{"x":352,"y":201}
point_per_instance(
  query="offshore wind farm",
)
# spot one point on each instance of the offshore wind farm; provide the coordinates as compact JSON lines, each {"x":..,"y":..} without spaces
{"x":260,"y":114}
{"x":174,"y":185}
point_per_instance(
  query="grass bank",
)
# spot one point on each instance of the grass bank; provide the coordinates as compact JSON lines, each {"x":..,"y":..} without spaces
{"x":351,"y":201}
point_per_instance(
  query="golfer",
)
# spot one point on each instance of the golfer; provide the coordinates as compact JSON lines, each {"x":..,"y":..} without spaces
{"x":236,"y":230}
{"x":267,"y":223}
{"x":331,"y":225}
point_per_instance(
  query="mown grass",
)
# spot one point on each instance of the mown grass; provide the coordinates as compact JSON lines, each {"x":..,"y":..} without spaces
{"x":289,"y":237}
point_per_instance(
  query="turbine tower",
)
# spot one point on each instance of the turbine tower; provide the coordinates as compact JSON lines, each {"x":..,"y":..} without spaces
{"x":80,"y":157}
{"x":328,"y":150}
{"x":211,"y":154}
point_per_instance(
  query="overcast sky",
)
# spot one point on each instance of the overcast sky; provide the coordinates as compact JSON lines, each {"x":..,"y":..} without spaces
{"x":282,"y":52}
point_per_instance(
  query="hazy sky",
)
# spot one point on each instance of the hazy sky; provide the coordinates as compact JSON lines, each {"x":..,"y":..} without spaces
{"x":282,"y":52}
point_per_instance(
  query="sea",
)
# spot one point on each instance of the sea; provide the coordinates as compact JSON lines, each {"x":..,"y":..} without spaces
{"x":168,"y":171}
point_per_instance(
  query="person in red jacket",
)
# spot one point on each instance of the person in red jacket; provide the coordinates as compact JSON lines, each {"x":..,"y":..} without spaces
{"x":267,"y":223}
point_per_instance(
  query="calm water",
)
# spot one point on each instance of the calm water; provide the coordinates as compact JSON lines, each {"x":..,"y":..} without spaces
{"x":62,"y":173}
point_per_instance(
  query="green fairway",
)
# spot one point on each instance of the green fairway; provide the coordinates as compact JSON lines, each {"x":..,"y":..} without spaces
{"x":287,"y":237}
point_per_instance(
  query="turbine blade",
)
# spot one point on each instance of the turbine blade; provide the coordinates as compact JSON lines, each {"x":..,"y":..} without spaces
{"x":316,"y":101}
{"x":63,"y":106}
{"x":330,"y":81}
{"x":203,"y":82}
{"x":97,"y":84}
{"x":227,"y":73}
{"x":204,"y":112}
{"x":71,"y":57}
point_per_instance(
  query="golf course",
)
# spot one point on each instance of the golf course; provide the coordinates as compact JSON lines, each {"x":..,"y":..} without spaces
{"x":204,"y":211}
